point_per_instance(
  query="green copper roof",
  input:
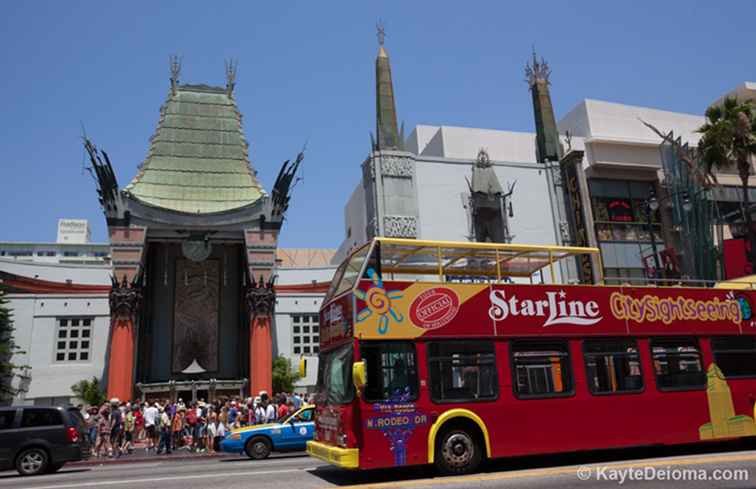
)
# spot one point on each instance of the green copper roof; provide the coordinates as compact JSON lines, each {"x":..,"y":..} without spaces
{"x":198,"y":161}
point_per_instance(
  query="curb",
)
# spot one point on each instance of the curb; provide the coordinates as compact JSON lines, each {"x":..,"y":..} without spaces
{"x":129,"y":459}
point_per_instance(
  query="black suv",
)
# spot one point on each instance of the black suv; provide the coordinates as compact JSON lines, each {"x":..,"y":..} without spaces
{"x":38,"y":440}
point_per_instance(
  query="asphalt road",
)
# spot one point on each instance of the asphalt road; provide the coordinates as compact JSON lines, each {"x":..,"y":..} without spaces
{"x":647,"y":468}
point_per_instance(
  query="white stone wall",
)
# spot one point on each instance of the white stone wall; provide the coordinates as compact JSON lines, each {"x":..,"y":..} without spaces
{"x":355,"y":222}
{"x":286,"y":305}
{"x":57,"y":272}
{"x":35,"y":323}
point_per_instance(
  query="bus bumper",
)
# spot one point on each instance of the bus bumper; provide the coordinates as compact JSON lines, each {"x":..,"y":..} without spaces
{"x":348,"y":458}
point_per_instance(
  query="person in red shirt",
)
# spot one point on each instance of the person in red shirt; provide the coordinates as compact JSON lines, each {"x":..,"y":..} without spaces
{"x":283,"y":409}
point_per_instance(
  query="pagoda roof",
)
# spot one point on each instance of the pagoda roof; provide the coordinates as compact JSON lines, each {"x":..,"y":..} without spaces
{"x":198,"y":160}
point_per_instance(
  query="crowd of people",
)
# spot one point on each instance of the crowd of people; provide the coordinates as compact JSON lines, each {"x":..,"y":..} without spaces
{"x":116,"y":428}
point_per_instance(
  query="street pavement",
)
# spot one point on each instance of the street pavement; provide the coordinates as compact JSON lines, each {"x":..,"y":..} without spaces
{"x":648,"y":468}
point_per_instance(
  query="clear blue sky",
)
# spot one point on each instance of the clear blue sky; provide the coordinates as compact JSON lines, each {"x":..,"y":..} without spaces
{"x":306,"y":71}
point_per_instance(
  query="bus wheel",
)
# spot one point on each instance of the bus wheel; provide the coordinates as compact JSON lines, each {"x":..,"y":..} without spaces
{"x":257,"y":448}
{"x":458,"y":452}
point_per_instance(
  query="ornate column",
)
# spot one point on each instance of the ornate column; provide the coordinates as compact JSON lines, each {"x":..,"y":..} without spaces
{"x":125,"y":300}
{"x":261,"y":300}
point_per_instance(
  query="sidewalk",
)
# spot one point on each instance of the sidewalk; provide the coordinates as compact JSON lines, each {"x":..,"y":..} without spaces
{"x":141,"y":455}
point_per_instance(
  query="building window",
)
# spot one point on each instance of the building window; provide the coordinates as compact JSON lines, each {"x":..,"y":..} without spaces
{"x":735,"y":355}
{"x":541,"y":368}
{"x":462,"y":371}
{"x":612,"y":366}
{"x":304,"y":332}
{"x":678,"y":364}
{"x":73,"y":343}
{"x":21,"y":253}
{"x":622,"y":229}
{"x":391,"y":369}
{"x":70,"y":253}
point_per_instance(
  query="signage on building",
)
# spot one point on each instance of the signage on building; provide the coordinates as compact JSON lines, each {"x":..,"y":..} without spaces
{"x":74,"y":231}
{"x":620,"y":210}
{"x":576,"y":215}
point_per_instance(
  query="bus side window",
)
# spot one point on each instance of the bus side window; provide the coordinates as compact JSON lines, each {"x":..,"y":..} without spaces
{"x":391,"y":370}
{"x":541,"y":369}
{"x":612,"y":366}
{"x":735,"y":355}
{"x":677,"y":364}
{"x":462,"y":371}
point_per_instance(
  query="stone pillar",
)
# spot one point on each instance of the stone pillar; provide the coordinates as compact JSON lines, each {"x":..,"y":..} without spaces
{"x":261,"y":299}
{"x":125,"y":300}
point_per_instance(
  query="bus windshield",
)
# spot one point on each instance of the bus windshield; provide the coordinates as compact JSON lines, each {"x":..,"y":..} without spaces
{"x":335,"y":375}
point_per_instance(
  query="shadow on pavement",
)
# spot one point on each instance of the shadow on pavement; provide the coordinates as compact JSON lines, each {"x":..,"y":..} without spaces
{"x":341,"y":477}
{"x":14,"y":475}
{"x":275,"y":457}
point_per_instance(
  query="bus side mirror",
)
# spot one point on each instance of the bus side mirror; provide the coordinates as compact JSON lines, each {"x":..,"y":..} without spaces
{"x":359,"y":377}
{"x":302,"y":367}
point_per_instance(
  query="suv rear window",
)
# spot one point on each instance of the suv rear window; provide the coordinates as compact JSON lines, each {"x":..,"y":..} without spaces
{"x":40,"y":417}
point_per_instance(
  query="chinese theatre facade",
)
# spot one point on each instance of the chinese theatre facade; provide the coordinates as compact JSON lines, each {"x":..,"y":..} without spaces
{"x":193,"y":239}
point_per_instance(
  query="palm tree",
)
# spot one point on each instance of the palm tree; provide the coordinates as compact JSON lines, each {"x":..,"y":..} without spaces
{"x":729,"y":139}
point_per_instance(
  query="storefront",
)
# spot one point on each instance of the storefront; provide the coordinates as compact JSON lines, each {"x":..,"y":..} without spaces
{"x":622,"y":228}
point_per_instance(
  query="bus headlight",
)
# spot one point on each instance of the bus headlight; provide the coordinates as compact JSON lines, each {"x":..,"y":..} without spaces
{"x":341,"y":440}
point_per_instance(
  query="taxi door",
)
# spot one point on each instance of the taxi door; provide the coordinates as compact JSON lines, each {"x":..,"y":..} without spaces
{"x":298,"y":429}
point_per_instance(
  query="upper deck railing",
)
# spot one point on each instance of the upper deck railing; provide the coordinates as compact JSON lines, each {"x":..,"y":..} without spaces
{"x":451,"y":261}
{"x":442,"y":261}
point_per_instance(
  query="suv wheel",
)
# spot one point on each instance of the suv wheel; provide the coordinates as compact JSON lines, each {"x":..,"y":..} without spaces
{"x":32,"y":461}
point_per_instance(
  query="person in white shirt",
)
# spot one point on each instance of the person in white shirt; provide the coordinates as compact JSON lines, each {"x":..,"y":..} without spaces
{"x":151,"y":414}
{"x":265,"y":412}
{"x":212,"y":432}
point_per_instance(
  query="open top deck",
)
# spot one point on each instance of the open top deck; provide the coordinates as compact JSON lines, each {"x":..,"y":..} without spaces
{"x":442,"y":261}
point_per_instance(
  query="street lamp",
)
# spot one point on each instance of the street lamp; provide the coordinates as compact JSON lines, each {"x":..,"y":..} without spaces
{"x":652,"y":205}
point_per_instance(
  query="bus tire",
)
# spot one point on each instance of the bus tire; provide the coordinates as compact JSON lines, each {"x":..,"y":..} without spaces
{"x":257,"y":447}
{"x":458,"y":451}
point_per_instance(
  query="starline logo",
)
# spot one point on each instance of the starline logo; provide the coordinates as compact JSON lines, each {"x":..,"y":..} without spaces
{"x":556,"y":310}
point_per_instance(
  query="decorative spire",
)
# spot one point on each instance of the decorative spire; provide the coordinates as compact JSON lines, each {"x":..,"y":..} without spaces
{"x":380,"y":32}
{"x":537,"y":71}
{"x":483,"y":161}
{"x":548,"y":147}
{"x":231,"y":66}
{"x":175,"y":64}
{"x":387,"y":131}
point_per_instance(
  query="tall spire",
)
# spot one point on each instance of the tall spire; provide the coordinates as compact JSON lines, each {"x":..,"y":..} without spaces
{"x":175,"y":63}
{"x":547,"y":137}
{"x":386,"y":126}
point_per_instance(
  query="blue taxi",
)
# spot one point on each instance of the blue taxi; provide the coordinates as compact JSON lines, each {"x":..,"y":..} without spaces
{"x":258,"y":441}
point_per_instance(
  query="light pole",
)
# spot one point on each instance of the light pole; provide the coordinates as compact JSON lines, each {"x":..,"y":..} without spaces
{"x":652,"y":205}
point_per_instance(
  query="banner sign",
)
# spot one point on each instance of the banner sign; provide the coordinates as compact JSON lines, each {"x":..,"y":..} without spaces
{"x":411,"y":310}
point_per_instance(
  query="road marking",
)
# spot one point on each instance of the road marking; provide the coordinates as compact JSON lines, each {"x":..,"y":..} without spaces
{"x":694,"y":460}
{"x":163,"y":479}
{"x":115,"y":466}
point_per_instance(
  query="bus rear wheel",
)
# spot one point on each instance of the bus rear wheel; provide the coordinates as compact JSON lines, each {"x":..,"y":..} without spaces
{"x":458,"y":452}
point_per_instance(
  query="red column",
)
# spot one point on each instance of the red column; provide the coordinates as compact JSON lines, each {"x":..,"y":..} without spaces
{"x":260,"y":355}
{"x":121,"y":362}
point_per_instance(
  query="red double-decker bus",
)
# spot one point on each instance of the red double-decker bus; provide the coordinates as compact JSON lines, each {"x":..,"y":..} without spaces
{"x":451,"y":353}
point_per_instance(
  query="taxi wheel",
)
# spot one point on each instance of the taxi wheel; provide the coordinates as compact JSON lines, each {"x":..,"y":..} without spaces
{"x":257,"y":448}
